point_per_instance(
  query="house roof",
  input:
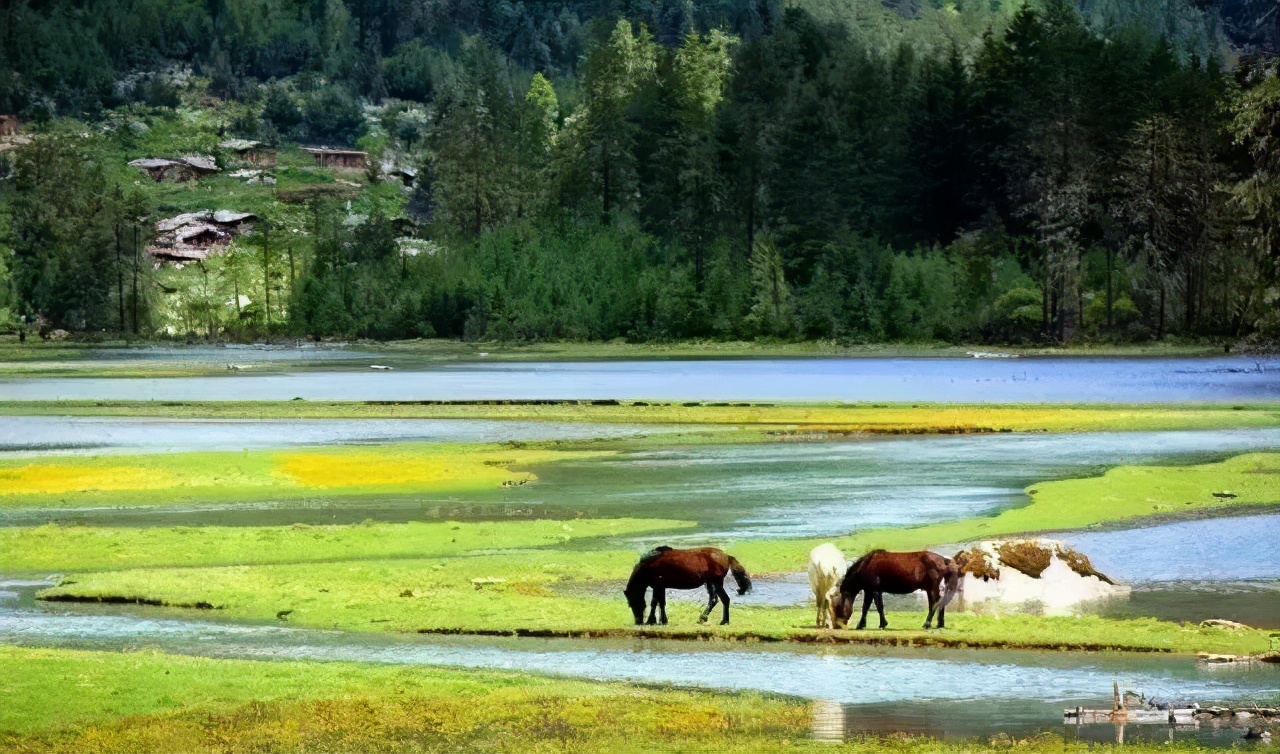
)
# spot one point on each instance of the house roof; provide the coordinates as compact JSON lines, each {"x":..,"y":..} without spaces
{"x":335,"y":152}
{"x":240,"y":145}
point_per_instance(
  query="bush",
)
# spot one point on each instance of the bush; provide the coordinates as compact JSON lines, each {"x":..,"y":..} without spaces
{"x":1017,"y":315}
{"x":920,"y":300}
{"x":411,"y":72}
{"x":333,"y":116}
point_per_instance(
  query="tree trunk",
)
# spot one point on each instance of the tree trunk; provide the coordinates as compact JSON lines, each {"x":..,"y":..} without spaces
{"x":604,"y":171}
{"x":119,"y":278}
{"x":266,"y":275}
{"x":136,"y":261}
{"x":1110,"y":295}
{"x":1160,"y":327}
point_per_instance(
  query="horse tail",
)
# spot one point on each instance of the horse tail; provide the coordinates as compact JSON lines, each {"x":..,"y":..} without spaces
{"x":740,"y":575}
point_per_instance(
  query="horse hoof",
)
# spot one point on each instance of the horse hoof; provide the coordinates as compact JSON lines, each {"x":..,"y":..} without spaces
{"x":663,"y":622}
{"x":724,"y":622}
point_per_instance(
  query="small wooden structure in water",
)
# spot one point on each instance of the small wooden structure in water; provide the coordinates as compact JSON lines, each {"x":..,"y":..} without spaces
{"x":1121,"y":714}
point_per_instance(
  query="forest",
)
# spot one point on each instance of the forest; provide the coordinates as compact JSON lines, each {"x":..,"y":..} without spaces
{"x":996,"y":171}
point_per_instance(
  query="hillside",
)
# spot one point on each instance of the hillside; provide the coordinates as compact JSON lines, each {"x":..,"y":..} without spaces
{"x":857,"y":172}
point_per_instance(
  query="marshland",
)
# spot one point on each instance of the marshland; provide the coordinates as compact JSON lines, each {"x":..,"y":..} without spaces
{"x":412,"y":376}
{"x":374,"y":564}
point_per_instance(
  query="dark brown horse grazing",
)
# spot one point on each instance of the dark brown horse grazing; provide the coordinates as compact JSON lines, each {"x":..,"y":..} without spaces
{"x":665,"y":568}
{"x":880,"y":571}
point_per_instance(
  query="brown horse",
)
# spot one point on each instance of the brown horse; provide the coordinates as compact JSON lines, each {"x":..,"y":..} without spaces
{"x":665,"y":568}
{"x":879,"y":571}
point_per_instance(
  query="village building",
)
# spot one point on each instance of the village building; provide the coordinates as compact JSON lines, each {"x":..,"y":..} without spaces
{"x":194,"y":236}
{"x":189,"y":168}
{"x":246,"y":152}
{"x":342,"y":159}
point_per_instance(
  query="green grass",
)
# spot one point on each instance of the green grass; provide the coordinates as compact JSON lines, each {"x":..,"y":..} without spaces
{"x":141,"y":702}
{"x":219,"y":476}
{"x":557,"y":592}
{"x":821,"y":419}
{"x":92,"y":548}
{"x":395,"y":578}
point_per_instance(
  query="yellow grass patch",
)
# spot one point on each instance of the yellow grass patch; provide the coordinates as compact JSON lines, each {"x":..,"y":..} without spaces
{"x":408,"y":467}
{"x":38,"y":479}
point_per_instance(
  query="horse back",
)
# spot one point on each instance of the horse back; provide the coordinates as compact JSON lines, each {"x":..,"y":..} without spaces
{"x":900,"y":572}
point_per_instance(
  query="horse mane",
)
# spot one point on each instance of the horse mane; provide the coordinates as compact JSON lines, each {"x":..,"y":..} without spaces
{"x":855,"y":565}
{"x":851,"y":573}
{"x":654,"y":554}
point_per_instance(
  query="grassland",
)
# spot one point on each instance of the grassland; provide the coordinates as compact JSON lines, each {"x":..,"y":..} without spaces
{"x":571,"y":593}
{"x":165,"y":479}
{"x":520,"y":578}
{"x":1123,"y":494}
{"x":136,"y":703}
{"x":783,"y":420}
{"x":96,"y":548}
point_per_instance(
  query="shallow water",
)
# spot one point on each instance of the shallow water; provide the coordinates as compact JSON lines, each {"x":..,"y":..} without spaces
{"x":956,"y":693}
{"x":1032,"y":380}
{"x":1233,"y":548}
{"x":1182,"y":571}
{"x":32,"y":435}
{"x":746,"y":491}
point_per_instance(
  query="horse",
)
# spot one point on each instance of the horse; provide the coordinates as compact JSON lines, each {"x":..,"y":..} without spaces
{"x":666,"y":568}
{"x":826,"y":566}
{"x":880,"y":571}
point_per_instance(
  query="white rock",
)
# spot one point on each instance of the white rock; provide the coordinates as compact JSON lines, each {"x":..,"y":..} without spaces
{"x":1058,"y":590}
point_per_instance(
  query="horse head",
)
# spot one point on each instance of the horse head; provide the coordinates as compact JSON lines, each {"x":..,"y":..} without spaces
{"x":634,"y":591}
{"x":840,"y":606}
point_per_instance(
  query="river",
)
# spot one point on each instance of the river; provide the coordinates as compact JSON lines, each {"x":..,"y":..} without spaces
{"x":1029,"y":380}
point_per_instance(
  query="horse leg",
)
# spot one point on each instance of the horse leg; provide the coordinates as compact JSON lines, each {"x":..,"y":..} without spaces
{"x":663,"y":606}
{"x":653,"y":606}
{"x":952,"y":583}
{"x":711,"y":603}
{"x":880,"y":609}
{"x":866,"y":605}
{"x":933,"y":605}
{"x":724,"y":600}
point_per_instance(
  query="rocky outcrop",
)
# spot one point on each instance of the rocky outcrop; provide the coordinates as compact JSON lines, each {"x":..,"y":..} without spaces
{"x":1032,"y":574}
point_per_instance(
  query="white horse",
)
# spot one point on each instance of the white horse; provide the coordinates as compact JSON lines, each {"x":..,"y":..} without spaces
{"x":826,"y":569}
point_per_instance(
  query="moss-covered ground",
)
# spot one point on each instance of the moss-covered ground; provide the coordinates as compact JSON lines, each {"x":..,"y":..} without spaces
{"x":143,"y":702}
